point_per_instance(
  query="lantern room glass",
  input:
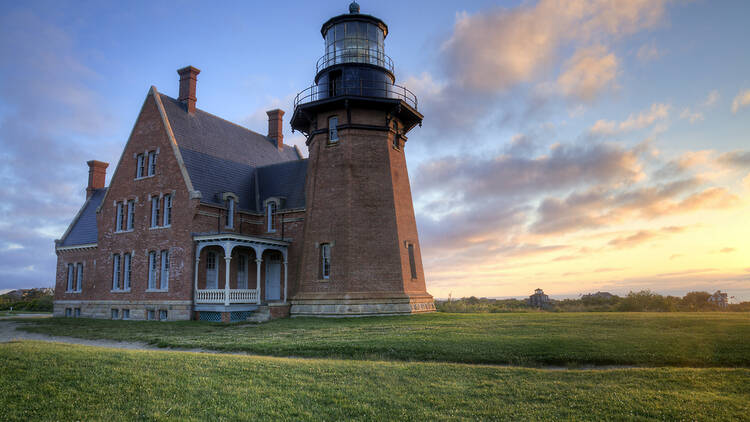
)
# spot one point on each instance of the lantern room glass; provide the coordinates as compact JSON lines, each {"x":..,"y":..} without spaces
{"x":355,"y":42}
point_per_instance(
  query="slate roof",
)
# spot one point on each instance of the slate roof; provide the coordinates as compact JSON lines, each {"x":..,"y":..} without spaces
{"x":83,"y":229}
{"x":286,"y":180}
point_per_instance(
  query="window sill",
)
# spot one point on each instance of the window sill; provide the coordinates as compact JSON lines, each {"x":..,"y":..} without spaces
{"x":159,"y":227}
{"x":144,"y":177}
{"x":124,"y":231}
{"x":73,"y":291}
{"x":120,"y":291}
{"x":157,"y":290}
{"x":331,"y":144}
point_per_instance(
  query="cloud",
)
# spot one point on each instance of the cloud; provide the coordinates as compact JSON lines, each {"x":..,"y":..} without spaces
{"x":589,"y":72}
{"x":691,"y":116}
{"x":742,"y":100}
{"x":711,"y":99}
{"x":499,"y":48}
{"x":602,"y":207}
{"x":727,"y":250}
{"x":632,"y":240}
{"x":737,"y":159}
{"x":52,"y":121}
{"x":648,"y":52}
{"x":644,"y":119}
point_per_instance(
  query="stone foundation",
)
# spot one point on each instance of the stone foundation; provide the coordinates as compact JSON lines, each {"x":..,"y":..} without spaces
{"x":346,"y":307}
{"x":177,"y":310}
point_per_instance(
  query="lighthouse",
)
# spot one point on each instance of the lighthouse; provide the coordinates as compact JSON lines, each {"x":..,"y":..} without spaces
{"x":360,"y":252}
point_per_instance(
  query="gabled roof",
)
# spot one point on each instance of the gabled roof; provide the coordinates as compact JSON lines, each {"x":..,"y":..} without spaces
{"x":213,"y":176}
{"x":82,"y":230}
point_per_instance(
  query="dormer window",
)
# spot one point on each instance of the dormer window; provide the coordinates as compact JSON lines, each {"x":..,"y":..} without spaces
{"x":151,"y":163}
{"x":230,"y":213}
{"x":333,"y":132}
{"x":270,"y":211}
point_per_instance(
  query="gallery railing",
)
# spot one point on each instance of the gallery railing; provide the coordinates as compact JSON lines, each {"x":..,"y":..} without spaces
{"x":355,"y":55}
{"x":360,"y":88}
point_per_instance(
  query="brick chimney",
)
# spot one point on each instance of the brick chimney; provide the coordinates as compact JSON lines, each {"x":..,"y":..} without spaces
{"x":97,"y":174}
{"x":276,"y":127}
{"x":188,"y":82}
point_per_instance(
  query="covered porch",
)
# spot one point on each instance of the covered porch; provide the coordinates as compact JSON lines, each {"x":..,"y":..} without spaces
{"x":254,"y":272}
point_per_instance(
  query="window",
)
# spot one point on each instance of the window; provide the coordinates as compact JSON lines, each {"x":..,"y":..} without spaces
{"x":150,"y":315}
{"x":412,"y":264}
{"x":119,"y":217}
{"x":140,"y":166}
{"x":396,"y":136}
{"x":77,"y":312}
{"x":154,"y":211}
{"x":126,"y":273}
{"x":162,"y":315}
{"x":325,"y":261}
{"x":152,"y":270}
{"x":126,"y":314}
{"x":167,"y":211}
{"x":270,"y":211}
{"x":151,"y":163}
{"x":242,"y":272}
{"x":68,"y":312}
{"x":164,"y":269}
{"x":115,"y":314}
{"x":333,"y":132}
{"x":230,"y":213}
{"x":212,"y":276}
{"x":131,"y":214}
{"x":79,"y":277}
{"x":70,"y":278}
{"x":116,"y":272}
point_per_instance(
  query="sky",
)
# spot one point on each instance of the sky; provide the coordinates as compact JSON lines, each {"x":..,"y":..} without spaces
{"x":576,"y":146}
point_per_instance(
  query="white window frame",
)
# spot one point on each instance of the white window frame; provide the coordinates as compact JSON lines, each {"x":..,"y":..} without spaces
{"x":131,"y":215}
{"x":167,"y":215}
{"x":164,"y":279}
{"x":271,"y":208}
{"x":163,"y":315}
{"x":150,"y":315}
{"x":79,"y":277}
{"x":230,"y":213}
{"x":152,"y":270}
{"x":152,"y":163}
{"x":125,"y":314}
{"x":115,"y":313}
{"x":325,"y":261}
{"x":71,"y":270}
{"x":333,"y":130}
{"x":127,"y":271}
{"x":116,"y":267}
{"x":140,"y":166}
{"x":118,"y":217}
{"x":155,"y":211}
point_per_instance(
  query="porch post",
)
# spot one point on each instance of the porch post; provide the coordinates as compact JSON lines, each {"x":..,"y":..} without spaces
{"x":227,"y":261}
{"x":285,"y":280}
{"x":257,"y":279}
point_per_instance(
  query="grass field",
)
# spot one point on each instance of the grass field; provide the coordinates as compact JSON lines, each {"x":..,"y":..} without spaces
{"x":526,"y":339}
{"x":50,"y":381}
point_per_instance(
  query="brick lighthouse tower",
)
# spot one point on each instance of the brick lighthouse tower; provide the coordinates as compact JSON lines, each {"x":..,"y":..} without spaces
{"x":360,"y":252}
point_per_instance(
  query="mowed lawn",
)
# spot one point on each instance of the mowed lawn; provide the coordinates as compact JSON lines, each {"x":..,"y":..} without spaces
{"x":53,"y":381}
{"x":526,"y":339}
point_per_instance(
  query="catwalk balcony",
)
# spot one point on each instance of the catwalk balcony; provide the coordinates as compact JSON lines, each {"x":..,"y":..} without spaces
{"x":351,"y":93}
{"x":356,"y":55}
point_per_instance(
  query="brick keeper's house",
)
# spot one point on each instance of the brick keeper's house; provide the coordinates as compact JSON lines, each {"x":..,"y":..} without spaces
{"x":205,"y":219}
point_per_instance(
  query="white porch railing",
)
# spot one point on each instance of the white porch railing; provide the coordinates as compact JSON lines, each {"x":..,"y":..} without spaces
{"x":217,"y":296}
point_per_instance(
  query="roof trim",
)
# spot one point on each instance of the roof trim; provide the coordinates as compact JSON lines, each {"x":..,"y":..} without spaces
{"x":172,"y":141}
{"x":74,"y":247}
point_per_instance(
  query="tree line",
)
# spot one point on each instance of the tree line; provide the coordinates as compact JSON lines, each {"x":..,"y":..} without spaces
{"x":641,"y":301}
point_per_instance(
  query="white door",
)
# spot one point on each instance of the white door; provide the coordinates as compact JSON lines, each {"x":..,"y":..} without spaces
{"x":273,"y":278}
{"x":212,"y":274}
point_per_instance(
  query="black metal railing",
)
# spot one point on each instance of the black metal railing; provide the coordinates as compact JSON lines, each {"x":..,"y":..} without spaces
{"x":359,"y":88}
{"x":355,"y":55}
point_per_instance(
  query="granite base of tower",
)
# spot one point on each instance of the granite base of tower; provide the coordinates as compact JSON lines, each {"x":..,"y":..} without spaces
{"x":360,"y":304}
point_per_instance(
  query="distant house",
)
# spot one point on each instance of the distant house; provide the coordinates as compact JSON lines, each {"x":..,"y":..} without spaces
{"x":600,"y":295}
{"x":539,"y":299}
{"x":719,"y":299}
